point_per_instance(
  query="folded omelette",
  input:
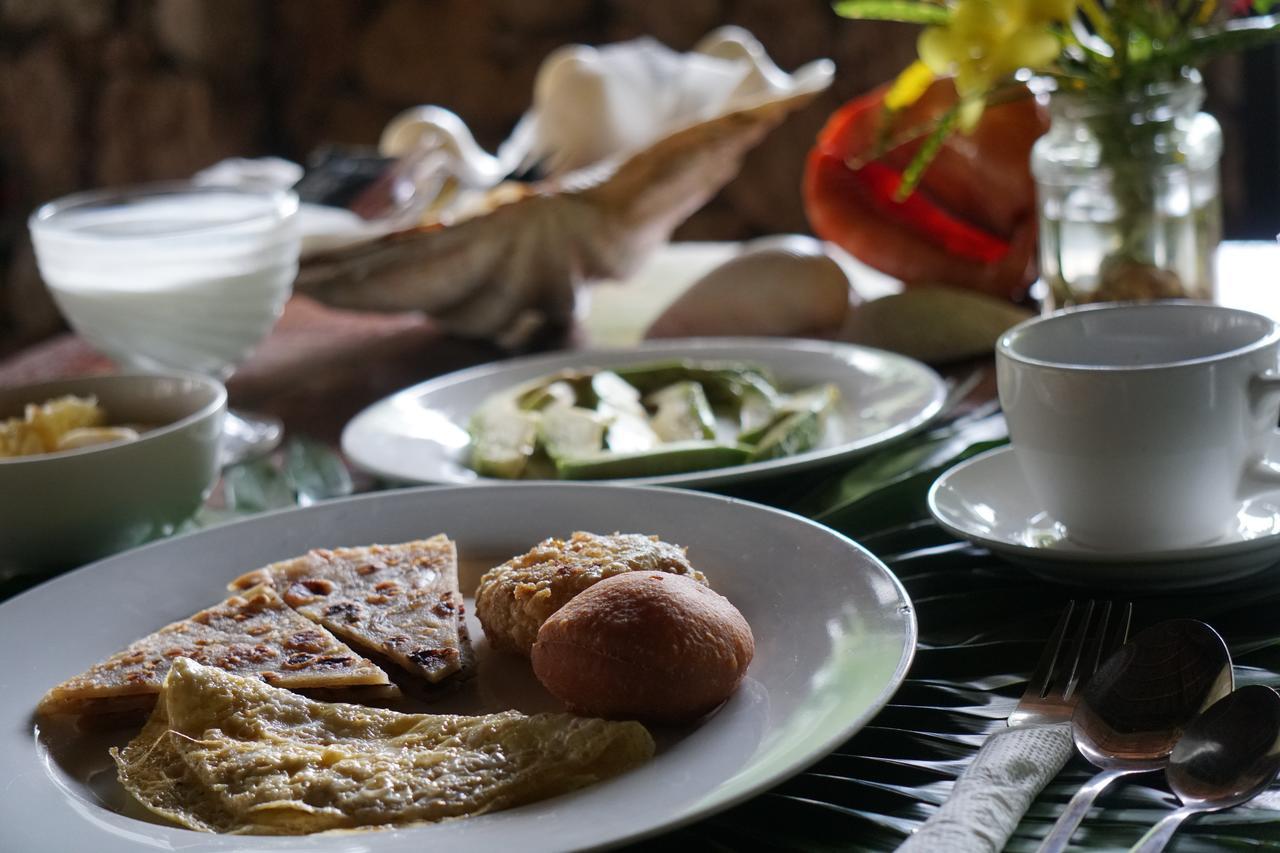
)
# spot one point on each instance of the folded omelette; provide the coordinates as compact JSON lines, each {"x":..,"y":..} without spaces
{"x":224,"y":753}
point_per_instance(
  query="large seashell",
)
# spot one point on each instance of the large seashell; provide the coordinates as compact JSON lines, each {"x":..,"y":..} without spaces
{"x":444,"y":146}
{"x":510,"y":268}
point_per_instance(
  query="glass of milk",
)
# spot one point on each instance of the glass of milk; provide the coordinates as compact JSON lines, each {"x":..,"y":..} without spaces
{"x":175,"y":275}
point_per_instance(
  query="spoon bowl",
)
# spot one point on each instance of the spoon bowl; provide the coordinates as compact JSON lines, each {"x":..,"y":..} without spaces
{"x":1136,"y":707}
{"x":1230,"y":752}
{"x":1228,"y":755}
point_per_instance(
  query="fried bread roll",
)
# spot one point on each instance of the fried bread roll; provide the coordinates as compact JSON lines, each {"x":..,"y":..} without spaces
{"x":646,"y":646}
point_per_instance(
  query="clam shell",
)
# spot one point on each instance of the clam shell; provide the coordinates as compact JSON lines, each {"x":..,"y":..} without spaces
{"x":511,"y":270}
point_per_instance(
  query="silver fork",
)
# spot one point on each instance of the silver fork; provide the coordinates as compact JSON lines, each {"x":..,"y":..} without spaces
{"x":1085,"y":636}
{"x":996,"y":788}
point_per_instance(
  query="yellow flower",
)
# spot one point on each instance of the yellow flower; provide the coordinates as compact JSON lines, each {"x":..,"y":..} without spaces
{"x":909,"y":86}
{"x":1061,"y":11}
{"x":984,"y":42}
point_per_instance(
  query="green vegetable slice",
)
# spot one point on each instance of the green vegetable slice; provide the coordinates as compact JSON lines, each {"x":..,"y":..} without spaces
{"x":675,"y":458}
{"x":683,"y":413}
{"x":502,"y":439}
{"x":756,"y":413}
{"x":820,"y":399}
{"x":619,"y":405}
{"x":570,"y":431}
{"x":795,"y":433}
{"x":723,"y":382}
{"x":557,"y":392}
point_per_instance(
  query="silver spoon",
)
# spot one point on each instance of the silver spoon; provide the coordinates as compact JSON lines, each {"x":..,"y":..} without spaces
{"x":1137,"y":705}
{"x":1228,"y":755}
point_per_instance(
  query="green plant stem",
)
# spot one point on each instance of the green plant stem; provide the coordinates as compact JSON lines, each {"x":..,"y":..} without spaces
{"x":1125,"y":149}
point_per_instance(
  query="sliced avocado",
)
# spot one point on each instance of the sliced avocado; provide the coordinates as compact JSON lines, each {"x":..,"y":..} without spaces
{"x":502,"y":439}
{"x":570,"y":431}
{"x":540,"y":467}
{"x":756,"y":413}
{"x":723,"y":382}
{"x":652,"y":376}
{"x":555,"y":393}
{"x":794,"y":433}
{"x":683,"y":413}
{"x":619,"y":403}
{"x":820,"y":399}
{"x":675,"y":458}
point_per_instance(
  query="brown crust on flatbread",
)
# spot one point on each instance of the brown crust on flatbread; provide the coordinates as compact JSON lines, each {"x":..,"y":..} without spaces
{"x":130,"y":712}
{"x":468,"y":651}
{"x":400,"y":602}
{"x":118,"y":714}
{"x":253,"y":633}
{"x":360,"y":694}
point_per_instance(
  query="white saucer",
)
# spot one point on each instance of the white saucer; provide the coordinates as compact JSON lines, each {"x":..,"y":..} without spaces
{"x":987,"y":501}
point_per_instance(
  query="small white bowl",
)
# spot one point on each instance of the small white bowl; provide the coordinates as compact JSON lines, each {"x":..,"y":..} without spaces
{"x":58,"y":510}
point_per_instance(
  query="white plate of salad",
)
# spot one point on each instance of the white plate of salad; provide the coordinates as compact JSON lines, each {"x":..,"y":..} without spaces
{"x":692,"y":412}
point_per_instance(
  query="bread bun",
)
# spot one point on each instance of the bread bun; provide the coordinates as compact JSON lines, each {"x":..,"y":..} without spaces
{"x":644,"y":645}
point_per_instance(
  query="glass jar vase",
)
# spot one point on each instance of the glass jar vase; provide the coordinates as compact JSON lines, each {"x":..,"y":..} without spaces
{"x":1128,"y":194}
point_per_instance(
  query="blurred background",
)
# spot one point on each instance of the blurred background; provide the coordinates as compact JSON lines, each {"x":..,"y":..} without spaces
{"x":107,"y":92}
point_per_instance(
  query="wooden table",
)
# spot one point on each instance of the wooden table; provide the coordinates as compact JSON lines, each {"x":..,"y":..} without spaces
{"x":320,"y":366}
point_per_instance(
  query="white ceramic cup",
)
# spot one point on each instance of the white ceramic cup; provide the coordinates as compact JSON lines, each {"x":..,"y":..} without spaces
{"x":1142,"y":427}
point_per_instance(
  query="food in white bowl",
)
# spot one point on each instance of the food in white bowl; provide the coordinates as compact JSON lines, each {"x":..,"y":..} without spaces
{"x":73,"y":505}
{"x":64,"y":423}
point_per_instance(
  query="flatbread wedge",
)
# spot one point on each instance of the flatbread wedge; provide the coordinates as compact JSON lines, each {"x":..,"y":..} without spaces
{"x":223,"y":753}
{"x":252,"y":633}
{"x":399,"y":604}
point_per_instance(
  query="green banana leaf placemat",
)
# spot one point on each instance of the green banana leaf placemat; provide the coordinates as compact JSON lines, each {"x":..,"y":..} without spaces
{"x":982,"y":626}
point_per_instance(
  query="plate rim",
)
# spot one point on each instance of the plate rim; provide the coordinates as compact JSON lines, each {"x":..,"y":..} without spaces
{"x":711,"y":477}
{"x":904,"y":609}
{"x":1079,"y":554}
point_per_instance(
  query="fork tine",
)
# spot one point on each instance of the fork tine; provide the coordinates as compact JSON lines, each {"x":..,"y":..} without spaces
{"x":1086,"y":634}
{"x":1042,"y":675}
{"x":1093,"y":640}
{"x":1069,"y":673}
{"x":1121,"y":635}
{"x":1108,"y":633}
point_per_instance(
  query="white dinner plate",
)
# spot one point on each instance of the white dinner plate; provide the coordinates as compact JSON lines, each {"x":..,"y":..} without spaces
{"x":834,"y":635}
{"x":419,"y":435}
{"x":987,"y":500}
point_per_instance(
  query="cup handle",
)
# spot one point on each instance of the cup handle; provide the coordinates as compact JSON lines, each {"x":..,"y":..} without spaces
{"x":1264,"y":390}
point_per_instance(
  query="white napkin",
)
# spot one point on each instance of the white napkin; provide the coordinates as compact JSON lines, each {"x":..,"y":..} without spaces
{"x":995,"y":791}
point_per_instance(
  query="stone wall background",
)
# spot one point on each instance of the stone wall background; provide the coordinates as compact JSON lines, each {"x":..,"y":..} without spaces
{"x":102,"y":92}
